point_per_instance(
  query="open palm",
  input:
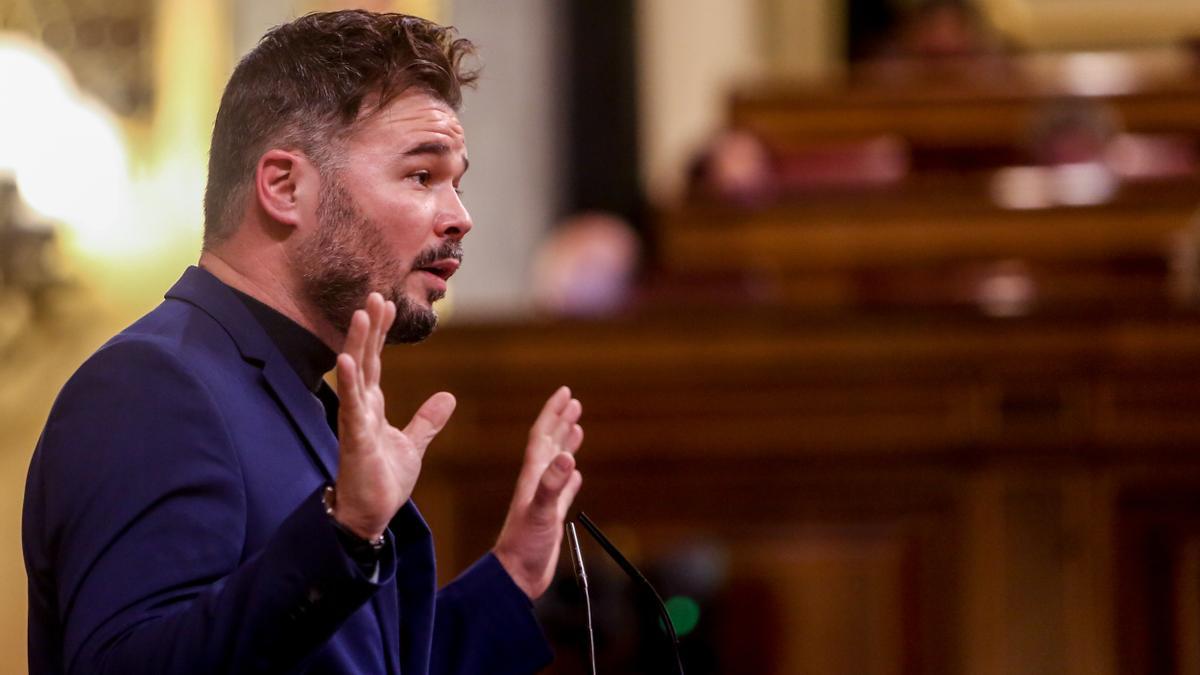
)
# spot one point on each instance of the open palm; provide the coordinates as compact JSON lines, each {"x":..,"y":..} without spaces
{"x":379,"y":463}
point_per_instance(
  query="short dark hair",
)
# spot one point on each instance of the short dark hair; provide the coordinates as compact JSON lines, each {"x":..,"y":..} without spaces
{"x":306,"y":84}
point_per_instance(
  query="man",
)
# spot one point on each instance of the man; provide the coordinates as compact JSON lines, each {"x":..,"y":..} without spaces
{"x":200,"y":501}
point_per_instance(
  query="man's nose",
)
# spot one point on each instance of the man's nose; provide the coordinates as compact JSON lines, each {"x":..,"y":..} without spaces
{"x":454,"y":222}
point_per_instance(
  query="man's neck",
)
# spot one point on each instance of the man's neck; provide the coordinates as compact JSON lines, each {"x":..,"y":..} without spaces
{"x":264,"y":282}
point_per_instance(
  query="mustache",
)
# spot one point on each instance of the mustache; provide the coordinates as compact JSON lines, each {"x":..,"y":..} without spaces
{"x":447,"y":250}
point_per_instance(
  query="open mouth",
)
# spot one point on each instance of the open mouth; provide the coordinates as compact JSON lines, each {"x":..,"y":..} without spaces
{"x":443,"y":269}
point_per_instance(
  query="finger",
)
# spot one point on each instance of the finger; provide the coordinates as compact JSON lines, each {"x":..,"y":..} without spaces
{"x":378,"y":316}
{"x":538,"y":454}
{"x":569,"y":493}
{"x":389,"y":318}
{"x":355,"y":333}
{"x":349,"y":394}
{"x":429,"y":419}
{"x":375,"y":311}
{"x":355,"y":337}
{"x":574,"y":439}
{"x":554,"y":480}
{"x":541,"y":454}
{"x":566,"y":420}
{"x":550,"y":411}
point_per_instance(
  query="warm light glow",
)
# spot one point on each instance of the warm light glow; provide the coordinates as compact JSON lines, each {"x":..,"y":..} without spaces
{"x":193,"y":45}
{"x":29,"y":73}
{"x":79,"y":175}
{"x":65,"y":150}
{"x":1099,"y":74}
{"x":1043,"y":187}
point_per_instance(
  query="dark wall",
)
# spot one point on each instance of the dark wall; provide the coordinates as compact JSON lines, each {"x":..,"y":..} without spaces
{"x":601,"y":54}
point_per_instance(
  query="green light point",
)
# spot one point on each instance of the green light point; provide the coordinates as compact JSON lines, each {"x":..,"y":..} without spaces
{"x":684,"y":613}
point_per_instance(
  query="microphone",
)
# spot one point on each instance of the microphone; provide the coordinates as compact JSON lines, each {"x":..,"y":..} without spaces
{"x":582,"y":580}
{"x":639,"y":582}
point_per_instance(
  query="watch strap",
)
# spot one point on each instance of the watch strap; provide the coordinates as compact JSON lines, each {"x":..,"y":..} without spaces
{"x":365,"y":552}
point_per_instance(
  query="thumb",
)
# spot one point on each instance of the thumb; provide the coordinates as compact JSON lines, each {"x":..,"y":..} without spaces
{"x":430,"y":418}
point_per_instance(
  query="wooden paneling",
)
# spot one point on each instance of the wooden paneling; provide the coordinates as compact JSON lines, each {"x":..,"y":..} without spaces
{"x":973,"y":114}
{"x":932,"y":494}
{"x":937,"y":242}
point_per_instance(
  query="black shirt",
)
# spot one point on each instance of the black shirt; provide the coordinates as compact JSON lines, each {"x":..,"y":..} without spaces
{"x":305,"y":352}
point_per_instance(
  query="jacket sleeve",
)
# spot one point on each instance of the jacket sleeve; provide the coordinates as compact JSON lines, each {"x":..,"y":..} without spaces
{"x":134,"y":530}
{"x":484,"y":623}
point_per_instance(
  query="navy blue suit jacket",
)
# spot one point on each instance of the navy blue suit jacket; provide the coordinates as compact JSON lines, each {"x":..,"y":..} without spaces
{"x":173,"y":524}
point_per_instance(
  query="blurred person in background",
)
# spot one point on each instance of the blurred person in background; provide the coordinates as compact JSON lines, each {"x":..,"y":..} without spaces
{"x":937,"y":42}
{"x":735,"y":167}
{"x":941,"y":29}
{"x":200,"y":500}
{"x":586,"y":267}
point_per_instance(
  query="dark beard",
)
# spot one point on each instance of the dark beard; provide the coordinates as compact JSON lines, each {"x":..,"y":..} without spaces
{"x":346,"y":259}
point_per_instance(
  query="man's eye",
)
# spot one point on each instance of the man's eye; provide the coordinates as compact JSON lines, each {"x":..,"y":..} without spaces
{"x":422,"y":177}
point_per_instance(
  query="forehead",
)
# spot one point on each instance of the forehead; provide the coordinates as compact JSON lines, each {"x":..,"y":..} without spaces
{"x":412,"y":117}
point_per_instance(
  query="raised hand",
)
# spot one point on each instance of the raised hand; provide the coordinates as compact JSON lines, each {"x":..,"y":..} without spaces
{"x":532,"y":535}
{"x":379,"y":464}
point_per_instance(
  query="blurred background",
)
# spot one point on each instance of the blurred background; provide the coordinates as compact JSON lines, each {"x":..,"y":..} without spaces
{"x":883,"y":312}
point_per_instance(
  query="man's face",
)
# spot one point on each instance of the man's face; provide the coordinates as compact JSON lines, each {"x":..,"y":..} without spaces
{"x":390,"y":220}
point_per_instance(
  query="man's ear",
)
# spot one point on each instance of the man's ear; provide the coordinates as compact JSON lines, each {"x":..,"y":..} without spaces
{"x":286,"y":185}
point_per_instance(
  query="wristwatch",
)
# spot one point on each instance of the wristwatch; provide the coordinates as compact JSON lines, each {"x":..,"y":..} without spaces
{"x":365,"y":552}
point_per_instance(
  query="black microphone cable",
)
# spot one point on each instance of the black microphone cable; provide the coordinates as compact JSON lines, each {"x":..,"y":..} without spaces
{"x":639,"y":581}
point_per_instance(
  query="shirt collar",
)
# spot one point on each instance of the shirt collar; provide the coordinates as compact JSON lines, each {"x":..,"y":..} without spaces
{"x":303,"y":351}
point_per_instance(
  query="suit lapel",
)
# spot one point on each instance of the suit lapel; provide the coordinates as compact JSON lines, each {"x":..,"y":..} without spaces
{"x":205,"y":291}
{"x":306,"y":412}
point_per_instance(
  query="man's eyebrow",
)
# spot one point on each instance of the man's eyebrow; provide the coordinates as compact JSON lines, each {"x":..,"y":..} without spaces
{"x":433,"y":148}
